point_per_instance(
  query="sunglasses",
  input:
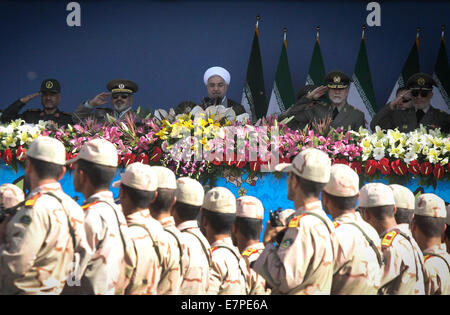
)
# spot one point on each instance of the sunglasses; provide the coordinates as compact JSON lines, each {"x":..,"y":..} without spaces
{"x":123,"y":96}
{"x":422,"y":93}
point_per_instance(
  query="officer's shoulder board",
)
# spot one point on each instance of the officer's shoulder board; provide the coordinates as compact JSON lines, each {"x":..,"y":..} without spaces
{"x":30,"y":202}
{"x":389,"y":238}
{"x":249,"y":252}
{"x":426,"y":257}
{"x":88,"y":205}
{"x":214,"y":248}
{"x":336,"y":224}
{"x":295,"y":221}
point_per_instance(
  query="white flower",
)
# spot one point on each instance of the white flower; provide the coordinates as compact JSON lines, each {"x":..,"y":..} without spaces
{"x":410,"y":156}
{"x":378,"y":153}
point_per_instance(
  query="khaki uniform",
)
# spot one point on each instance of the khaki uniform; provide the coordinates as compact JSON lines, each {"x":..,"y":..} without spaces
{"x":404,"y":266}
{"x":107,"y":234}
{"x":38,"y":252}
{"x":437,"y":267}
{"x":198,"y":252}
{"x":357,"y":267}
{"x":148,"y":253}
{"x":303,"y":262}
{"x":255,"y":282}
{"x":228,"y":269}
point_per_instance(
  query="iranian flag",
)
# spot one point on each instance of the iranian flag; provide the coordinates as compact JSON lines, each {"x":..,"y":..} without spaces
{"x":316,"y":71}
{"x":282,"y":93}
{"x":410,"y":67}
{"x":361,"y":93}
{"x":441,"y":74}
{"x":254,"y":95}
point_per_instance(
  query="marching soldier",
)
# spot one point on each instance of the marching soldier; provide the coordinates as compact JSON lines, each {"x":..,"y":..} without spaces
{"x":10,"y":196}
{"x":428,"y":228}
{"x":407,"y":115}
{"x":403,"y":270}
{"x":404,"y":202}
{"x":106,"y":227}
{"x":42,"y":238}
{"x":50,"y":93}
{"x":189,"y":198}
{"x":359,"y":262}
{"x":246,"y":231}
{"x":228,"y":268}
{"x":302,"y":262}
{"x":121,"y":92}
{"x":160,"y":211}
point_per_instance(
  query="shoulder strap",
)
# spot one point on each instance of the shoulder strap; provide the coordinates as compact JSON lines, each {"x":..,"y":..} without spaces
{"x":437,"y":255}
{"x":321,"y":218}
{"x":408,"y":238}
{"x":370,"y":241}
{"x":208,"y":257}
{"x":155,"y":246}
{"x":118,"y":224}
{"x":239,"y":264}
{"x":179,"y":248}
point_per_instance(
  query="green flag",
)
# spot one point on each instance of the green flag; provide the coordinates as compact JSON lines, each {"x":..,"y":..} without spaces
{"x":441,"y":74}
{"x":254,"y":95}
{"x":316,"y":71}
{"x":410,"y":67}
{"x":282,"y":93}
{"x":361,"y":93}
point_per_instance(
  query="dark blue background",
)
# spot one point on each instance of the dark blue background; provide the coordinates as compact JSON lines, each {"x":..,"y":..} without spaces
{"x":165,"y":46}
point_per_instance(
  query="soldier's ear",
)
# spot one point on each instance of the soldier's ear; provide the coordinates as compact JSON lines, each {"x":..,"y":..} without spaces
{"x":63,"y":172}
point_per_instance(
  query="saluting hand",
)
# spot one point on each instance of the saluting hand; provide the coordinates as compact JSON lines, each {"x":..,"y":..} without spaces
{"x":100,"y":99}
{"x":402,"y":102}
{"x":28,"y":98}
{"x":317,"y":92}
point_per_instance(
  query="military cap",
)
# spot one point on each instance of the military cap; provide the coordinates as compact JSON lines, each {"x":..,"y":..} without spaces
{"x":375,"y":195}
{"x":138,"y":176}
{"x":122,"y":86}
{"x":404,"y":198}
{"x":50,"y":85}
{"x":221,"y":200}
{"x":249,"y":207}
{"x":310,"y":164}
{"x":97,"y":151}
{"x":166,"y":178}
{"x":10,"y":195}
{"x":337,"y":80}
{"x":421,"y":81}
{"x":344,"y":181}
{"x":189,"y":191}
{"x":48,"y":149}
{"x":430,"y":205}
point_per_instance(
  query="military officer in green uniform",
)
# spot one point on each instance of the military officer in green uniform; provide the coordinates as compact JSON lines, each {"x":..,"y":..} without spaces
{"x":407,"y":116}
{"x":314,"y":107}
{"x":121,"y":92}
{"x":50,"y":93}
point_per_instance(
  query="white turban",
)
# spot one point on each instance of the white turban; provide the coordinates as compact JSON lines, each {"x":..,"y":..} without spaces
{"x":223,"y":73}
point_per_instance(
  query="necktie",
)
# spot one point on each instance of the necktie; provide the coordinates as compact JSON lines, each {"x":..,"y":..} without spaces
{"x":335,"y":112}
{"x":419,"y":115}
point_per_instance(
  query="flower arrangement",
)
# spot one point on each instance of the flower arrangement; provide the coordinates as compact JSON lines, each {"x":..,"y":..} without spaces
{"x":206,"y":144}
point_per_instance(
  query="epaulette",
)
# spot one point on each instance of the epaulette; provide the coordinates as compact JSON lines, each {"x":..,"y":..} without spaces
{"x":213,"y":249}
{"x":294,"y":222}
{"x":249,"y":252}
{"x":30,"y":202}
{"x":389,"y":238}
{"x":86,"y":206}
{"x":336,"y":224}
{"x":426,"y":257}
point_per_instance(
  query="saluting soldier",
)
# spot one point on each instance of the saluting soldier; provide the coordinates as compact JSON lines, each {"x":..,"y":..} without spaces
{"x":106,"y":227}
{"x":303,"y":261}
{"x":317,"y":109}
{"x":403,"y":270}
{"x":405,"y":203}
{"x":228,"y":268}
{"x":428,"y":228}
{"x":121,"y":92}
{"x":50,"y":93}
{"x":245,"y":234}
{"x":189,"y":198}
{"x":160,"y":211}
{"x":407,"y":115}
{"x":41,"y":239}
{"x":359,"y":262}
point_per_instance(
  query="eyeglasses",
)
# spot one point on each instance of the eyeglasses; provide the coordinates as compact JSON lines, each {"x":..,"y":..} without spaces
{"x":123,"y":96}
{"x":423,"y":93}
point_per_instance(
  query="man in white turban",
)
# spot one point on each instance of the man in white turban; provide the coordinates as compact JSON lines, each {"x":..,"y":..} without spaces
{"x":217,"y":80}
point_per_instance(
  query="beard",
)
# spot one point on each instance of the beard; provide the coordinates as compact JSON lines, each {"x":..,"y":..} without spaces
{"x":336,"y":99}
{"x":121,"y":106}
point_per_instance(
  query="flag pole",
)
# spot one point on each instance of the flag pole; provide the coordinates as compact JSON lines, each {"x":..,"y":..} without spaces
{"x":317,"y":34}
{"x":363,"y":31}
{"x":285,"y":36}
{"x":442,"y":32}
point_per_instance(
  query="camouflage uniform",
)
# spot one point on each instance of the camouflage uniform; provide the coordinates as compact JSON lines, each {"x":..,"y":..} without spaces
{"x":255,"y":282}
{"x":437,"y":266}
